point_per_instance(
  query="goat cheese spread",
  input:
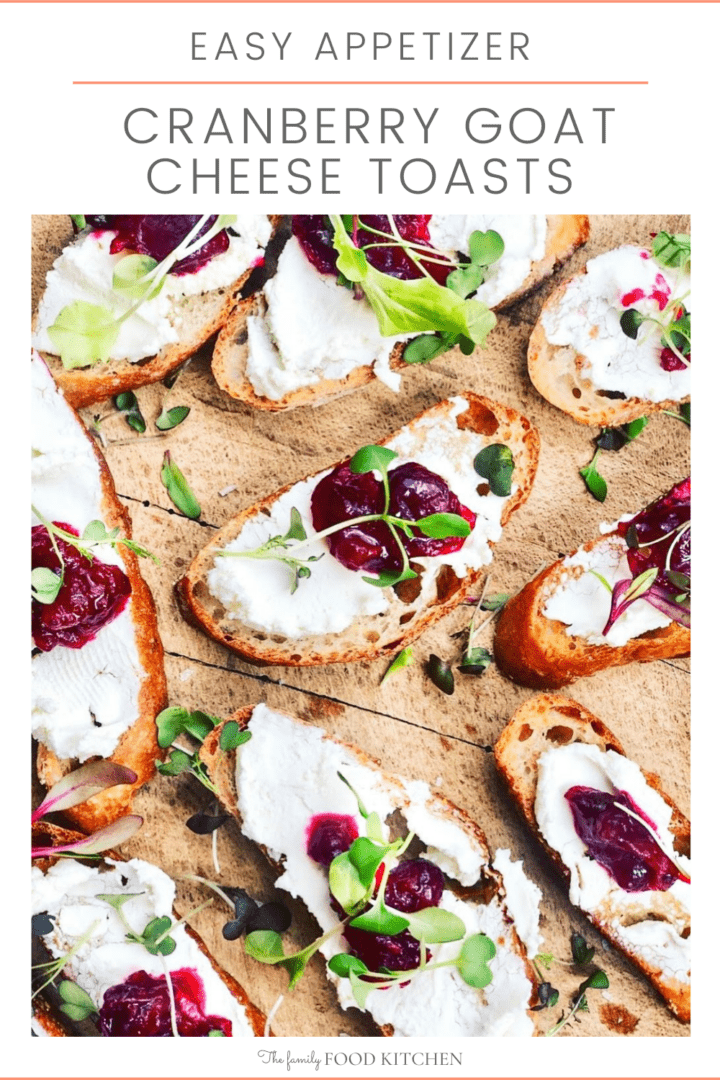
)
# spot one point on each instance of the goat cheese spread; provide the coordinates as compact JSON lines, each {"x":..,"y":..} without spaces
{"x":437,"y":1003}
{"x":257,"y":592}
{"x":582,"y":602}
{"x":82,"y":699}
{"x":313,"y":329}
{"x":650,"y":924}
{"x":587,"y":318}
{"x":84,"y":271}
{"x":70,"y":893}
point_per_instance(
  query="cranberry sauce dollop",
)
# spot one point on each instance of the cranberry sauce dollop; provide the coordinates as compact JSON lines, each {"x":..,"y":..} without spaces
{"x":159,"y":234}
{"x":93,"y":593}
{"x":619,"y":843}
{"x":140,"y":1006}
{"x":661,"y":295}
{"x":315,"y":236}
{"x":415,"y":492}
{"x":658,"y":526}
{"x":328,"y":835}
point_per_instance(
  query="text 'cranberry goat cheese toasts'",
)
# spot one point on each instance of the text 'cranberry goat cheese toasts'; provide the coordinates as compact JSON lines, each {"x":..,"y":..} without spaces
{"x":351,"y":291}
{"x":98,"y":678}
{"x":356,"y":561}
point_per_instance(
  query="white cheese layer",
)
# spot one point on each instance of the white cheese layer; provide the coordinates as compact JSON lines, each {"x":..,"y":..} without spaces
{"x":587,"y":318}
{"x":69,"y":892}
{"x":524,"y":236}
{"x":650,"y":924}
{"x":257,"y":592}
{"x":582,"y":602}
{"x":314,"y":329}
{"x":522,"y":897}
{"x":82,"y":699}
{"x":85,"y":268}
{"x":286,"y":774}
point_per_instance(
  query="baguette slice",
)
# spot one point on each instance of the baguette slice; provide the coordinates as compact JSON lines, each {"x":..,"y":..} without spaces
{"x":537,"y":651}
{"x":369,"y":636}
{"x":65,"y":680}
{"x":297,"y":786}
{"x":565,"y":234}
{"x":560,"y":374}
{"x":549,"y":721}
{"x":200,"y":317}
{"x":191,"y":950}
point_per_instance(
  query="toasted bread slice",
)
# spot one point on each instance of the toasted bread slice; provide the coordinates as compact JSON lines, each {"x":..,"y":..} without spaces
{"x":190,"y":952}
{"x":548,"y":722}
{"x":465,"y":424}
{"x":563,"y":377}
{"x":303,"y":782}
{"x":197,"y":318}
{"x":538,"y":651}
{"x":119,"y":677}
{"x":229,"y":364}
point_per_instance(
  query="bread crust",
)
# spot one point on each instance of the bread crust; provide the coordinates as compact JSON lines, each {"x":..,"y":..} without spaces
{"x":556,"y":372}
{"x":138,"y":747}
{"x":566,"y":232}
{"x":536,"y":651}
{"x":549,"y":720}
{"x":221,"y":769}
{"x":385,"y":634}
{"x":203,"y":316}
{"x":59,"y":835}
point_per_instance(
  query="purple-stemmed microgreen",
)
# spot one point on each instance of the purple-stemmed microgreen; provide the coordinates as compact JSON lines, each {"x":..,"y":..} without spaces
{"x":80,"y":785}
{"x":111,"y":836}
{"x":367,"y":459}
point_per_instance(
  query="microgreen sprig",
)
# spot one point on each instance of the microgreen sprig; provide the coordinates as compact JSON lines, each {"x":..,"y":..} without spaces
{"x":421,"y":304}
{"x":45,"y":584}
{"x":84,"y":334}
{"x":175,"y":721}
{"x":367,"y":459}
{"x":673,"y":321}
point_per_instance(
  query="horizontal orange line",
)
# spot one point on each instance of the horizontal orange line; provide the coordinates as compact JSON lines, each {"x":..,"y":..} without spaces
{"x":346,"y":82}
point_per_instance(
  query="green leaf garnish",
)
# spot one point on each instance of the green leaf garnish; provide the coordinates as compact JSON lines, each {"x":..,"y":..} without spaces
{"x":78,"y":221}
{"x":582,"y":953}
{"x":175,"y":721}
{"x":178,"y":488}
{"x":45,"y":584}
{"x":77,"y":1004}
{"x":370,"y":458}
{"x":131,"y":277}
{"x":435,"y":925}
{"x":231,"y":736}
{"x":630,"y":322}
{"x":440,"y":674}
{"x":402,"y":660}
{"x":441,"y":526}
{"x":342,"y":964}
{"x":673,"y":251}
{"x":178,"y":762}
{"x":495,"y":602}
{"x":171,"y":418}
{"x":155,"y":937}
{"x":472,"y":963}
{"x":496,"y":464}
{"x":83,"y":334}
{"x":128,"y":405}
{"x":594,"y":482}
{"x":476,"y":661}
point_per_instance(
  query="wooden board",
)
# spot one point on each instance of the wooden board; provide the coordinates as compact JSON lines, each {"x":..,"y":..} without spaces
{"x":408,"y":723}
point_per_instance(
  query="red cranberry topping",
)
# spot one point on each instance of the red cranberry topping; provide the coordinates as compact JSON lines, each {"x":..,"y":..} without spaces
{"x":315,"y":235}
{"x":93,"y":593}
{"x":657,"y":526}
{"x":668,"y":360}
{"x":159,"y":234}
{"x":328,"y":835}
{"x":140,"y":1006}
{"x":619,"y":843}
{"x":414,"y":885}
{"x":415,"y":492}
{"x":377,"y":951}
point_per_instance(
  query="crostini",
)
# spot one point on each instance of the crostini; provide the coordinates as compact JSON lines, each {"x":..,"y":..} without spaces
{"x":320,"y":809}
{"x":624,"y":596}
{"x":613,"y":343}
{"x":356,"y":561}
{"x":98,"y":677}
{"x":310,"y":337}
{"x":107,"y":923}
{"x":132,"y":296}
{"x":620,"y":844}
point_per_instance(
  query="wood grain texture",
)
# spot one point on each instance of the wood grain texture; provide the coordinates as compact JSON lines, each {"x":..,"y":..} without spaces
{"x":409,"y":725}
